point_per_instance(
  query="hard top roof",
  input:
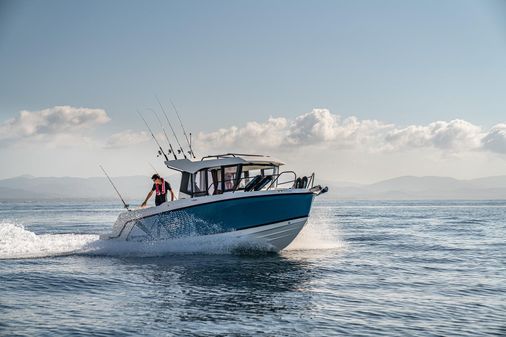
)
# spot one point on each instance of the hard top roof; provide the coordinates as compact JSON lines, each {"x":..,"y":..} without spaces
{"x":186,"y":165}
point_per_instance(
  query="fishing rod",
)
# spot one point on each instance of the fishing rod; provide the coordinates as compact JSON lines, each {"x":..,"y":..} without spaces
{"x":155,"y":170}
{"x":184,"y":131}
{"x":170,"y":125}
{"x":165,"y":133}
{"x":119,"y":195}
{"x":152,"y":135}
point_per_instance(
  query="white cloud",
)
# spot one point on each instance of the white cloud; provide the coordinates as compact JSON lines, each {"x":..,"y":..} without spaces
{"x":313,"y":128}
{"x":322,"y":128}
{"x":456,"y":135}
{"x":319,"y":129}
{"x":334,"y":147}
{"x":55,"y":121}
{"x":495,"y":140}
{"x":266,"y":135}
{"x":126,"y":138}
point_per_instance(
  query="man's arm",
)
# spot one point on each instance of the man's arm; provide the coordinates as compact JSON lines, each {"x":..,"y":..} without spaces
{"x":147,"y":198}
{"x":169,"y":187}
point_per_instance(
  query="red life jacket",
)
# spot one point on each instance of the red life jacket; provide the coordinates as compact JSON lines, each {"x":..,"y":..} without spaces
{"x":158,"y":188}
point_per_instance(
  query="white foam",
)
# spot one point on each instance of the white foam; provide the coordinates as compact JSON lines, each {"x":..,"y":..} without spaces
{"x":17,"y":243}
{"x":316,"y":234}
{"x":189,"y":245}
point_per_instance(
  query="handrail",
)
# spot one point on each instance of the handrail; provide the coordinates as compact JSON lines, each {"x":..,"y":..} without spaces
{"x":279,"y":175}
{"x":311,"y":180}
{"x":237,"y":183}
{"x":217,"y":156}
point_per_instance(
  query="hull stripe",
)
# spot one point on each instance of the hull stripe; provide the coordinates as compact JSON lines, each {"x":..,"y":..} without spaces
{"x":224,"y":215}
{"x":270,"y":223}
{"x":224,"y":200}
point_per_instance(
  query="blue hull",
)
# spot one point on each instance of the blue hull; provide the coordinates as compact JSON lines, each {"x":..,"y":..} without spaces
{"x":222,"y":216}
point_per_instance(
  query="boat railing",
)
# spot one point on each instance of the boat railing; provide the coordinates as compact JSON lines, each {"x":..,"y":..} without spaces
{"x":245,"y":180}
{"x":311,"y":180}
{"x":233,"y":155}
{"x":275,"y":180}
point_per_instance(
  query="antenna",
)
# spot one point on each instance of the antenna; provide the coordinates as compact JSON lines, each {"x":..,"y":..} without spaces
{"x":152,"y":135}
{"x":165,"y":133}
{"x":119,"y":195}
{"x":170,"y":125}
{"x":184,"y":131}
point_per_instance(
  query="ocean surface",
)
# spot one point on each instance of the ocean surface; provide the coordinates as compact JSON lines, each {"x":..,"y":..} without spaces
{"x":375,"y":268}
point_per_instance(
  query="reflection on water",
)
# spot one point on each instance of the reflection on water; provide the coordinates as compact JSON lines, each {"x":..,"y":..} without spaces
{"x":231,"y":289}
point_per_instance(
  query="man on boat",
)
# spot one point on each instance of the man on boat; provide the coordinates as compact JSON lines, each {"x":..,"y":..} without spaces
{"x":161,"y":187}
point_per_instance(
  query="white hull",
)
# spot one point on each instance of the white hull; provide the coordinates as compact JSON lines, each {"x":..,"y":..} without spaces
{"x":273,"y":238}
{"x":276,"y":236}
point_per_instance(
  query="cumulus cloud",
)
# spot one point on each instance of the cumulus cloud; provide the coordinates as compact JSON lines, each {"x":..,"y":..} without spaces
{"x":55,"y":121}
{"x":268,"y":134}
{"x":313,"y":128}
{"x":495,"y":140}
{"x":322,"y":128}
{"x":126,"y":138}
{"x":67,"y":125}
{"x":455,"y":135}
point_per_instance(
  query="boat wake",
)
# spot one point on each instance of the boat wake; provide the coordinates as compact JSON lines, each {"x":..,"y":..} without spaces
{"x":16,"y":242}
{"x":316,"y":235}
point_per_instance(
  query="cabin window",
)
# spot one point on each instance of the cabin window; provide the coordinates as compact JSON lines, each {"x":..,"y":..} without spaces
{"x":214,"y":181}
{"x":248,"y":173}
{"x":200,"y":183}
{"x":269,"y":171}
{"x":251,"y":171}
{"x":230,"y":177}
{"x":186,"y":186}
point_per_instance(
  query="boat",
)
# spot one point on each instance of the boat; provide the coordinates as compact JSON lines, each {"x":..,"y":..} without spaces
{"x":244,"y":197}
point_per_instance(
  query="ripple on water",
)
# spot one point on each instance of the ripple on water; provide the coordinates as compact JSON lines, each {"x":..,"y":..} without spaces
{"x":359,"y":269}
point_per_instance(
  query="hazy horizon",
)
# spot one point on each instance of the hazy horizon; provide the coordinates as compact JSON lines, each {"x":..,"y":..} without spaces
{"x":173,"y":173}
{"x":135,"y":187}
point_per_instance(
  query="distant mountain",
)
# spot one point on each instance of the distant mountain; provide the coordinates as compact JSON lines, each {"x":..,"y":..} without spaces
{"x":135,"y":188}
{"x":490,"y":182}
{"x":96,"y":188}
{"x":429,"y":187}
{"x":416,"y":184}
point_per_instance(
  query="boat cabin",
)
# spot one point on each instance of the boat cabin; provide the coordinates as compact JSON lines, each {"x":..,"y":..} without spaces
{"x":224,"y":173}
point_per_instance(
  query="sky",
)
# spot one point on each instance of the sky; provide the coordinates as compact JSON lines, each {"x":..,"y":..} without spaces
{"x":354,"y":90}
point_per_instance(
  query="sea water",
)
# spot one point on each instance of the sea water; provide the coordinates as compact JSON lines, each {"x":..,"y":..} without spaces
{"x":359,"y":268}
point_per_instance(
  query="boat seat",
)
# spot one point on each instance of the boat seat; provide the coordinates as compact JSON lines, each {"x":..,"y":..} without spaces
{"x":304,"y":182}
{"x":301,"y":182}
{"x":263,"y":183}
{"x":249,"y":186}
{"x":297,"y":183}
